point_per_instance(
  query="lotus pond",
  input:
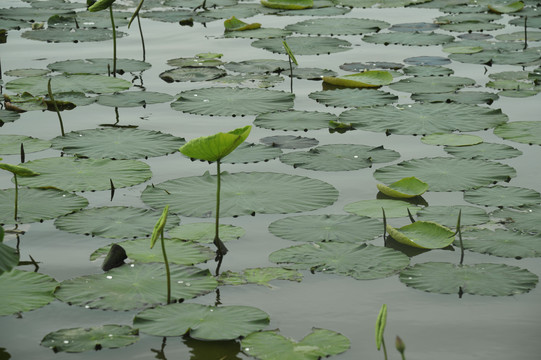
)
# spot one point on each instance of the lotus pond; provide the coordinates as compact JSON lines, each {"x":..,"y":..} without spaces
{"x":425,"y":111}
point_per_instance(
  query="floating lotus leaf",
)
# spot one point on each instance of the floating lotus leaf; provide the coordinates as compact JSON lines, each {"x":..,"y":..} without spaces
{"x":98,"y":66}
{"x":73,"y":97}
{"x":133,"y":99}
{"x":234,"y":24}
{"x":431,"y":84}
{"x":404,"y":188}
{"x":90,"y":20}
{"x":478,"y":279}
{"x":410,"y":39}
{"x":217,"y":146}
{"x":360,"y":261}
{"x":467,"y":17}
{"x":427,"y":70}
{"x":172,"y":15}
{"x":304,"y":45}
{"x":510,"y":85}
{"x":469,"y":26}
{"x":178,"y":252}
{"x":339,"y":157}
{"x":232,"y":101}
{"x":379,"y":3}
{"x":484,"y":151}
{"x":30,"y":13}
{"x":11,"y":144}
{"x":252,"y":153}
{"x":503,"y":243}
{"x":533,"y":21}
{"x":26,"y":72}
{"x":519,"y":93}
{"x":526,"y":132}
{"x":194,"y":3}
{"x":498,"y":195}
{"x":259,"y":33}
{"x":427,"y":60}
{"x":329,"y":26}
{"x":58,"y":35}
{"x":294,"y":120}
{"x":288,"y":4}
{"x":192,"y":74}
{"x":25,"y":291}
{"x":353,"y":97}
{"x":423,"y":118}
{"x":95,"y":338}
{"x":135,"y":286}
{"x":114,"y":222}
{"x":372,"y":65}
{"x":458,"y":49}
{"x":259,"y":276}
{"x":448,"y":215}
{"x":506,"y":8}
{"x":524,"y":219}
{"x":373,"y":208}
{"x":270,"y":345}
{"x":241,"y":194}
{"x":313,"y":228}
{"x":519,"y":35}
{"x":499,"y":57}
{"x":320,"y":8}
{"x":195,"y":61}
{"x":366,"y":79}
{"x":38,"y":204}
{"x":451,"y":139}
{"x":251,"y":80}
{"x":117,"y":143}
{"x":204,"y":232}
{"x":24,"y":102}
{"x":240,"y":10}
{"x":8,"y":116}
{"x":9,"y":257}
{"x":37,"y":85}
{"x":414,"y":27}
{"x":73,"y":174}
{"x":462,"y":97}
{"x":289,"y":141}
{"x":258,"y":66}
{"x":423,"y":235}
{"x":447,"y":174}
{"x":201,"y":322}
{"x":315,"y":74}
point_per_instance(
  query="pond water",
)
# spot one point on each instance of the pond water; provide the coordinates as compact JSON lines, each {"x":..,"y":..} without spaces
{"x":432,"y":325}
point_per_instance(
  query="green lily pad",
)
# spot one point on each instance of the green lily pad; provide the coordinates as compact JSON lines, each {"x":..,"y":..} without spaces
{"x":339,"y":157}
{"x":462,"y":97}
{"x":117,"y":143}
{"x":259,"y":276}
{"x":289,"y":141}
{"x":241,"y":194}
{"x":201,"y":322}
{"x":71,"y":97}
{"x":447,"y":174}
{"x":428,"y":70}
{"x":114,"y":222}
{"x":408,"y":38}
{"x":502,"y":243}
{"x":61,"y":35}
{"x":251,"y":80}
{"x":314,"y":228}
{"x":423,"y":235}
{"x":8,"y":116}
{"x":478,"y":279}
{"x":484,"y":151}
{"x":353,"y":97}
{"x":404,"y":188}
{"x":192,"y":74}
{"x":270,"y":345}
{"x":329,"y":26}
{"x":315,"y":74}
{"x":26,"y":72}
{"x":25,"y":102}
{"x":232,"y":101}
{"x":234,"y":24}
{"x":25,"y":291}
{"x":30,"y":13}
{"x":11,"y":144}
{"x":448,"y":215}
{"x":304,"y":45}
{"x":133,"y":99}
{"x":252,"y":153}
{"x":373,"y":208}
{"x":73,"y":174}
{"x":9,"y":257}
{"x":498,"y":195}
{"x":259,"y":33}
{"x":98,"y":66}
{"x":366,"y":79}
{"x":431,"y":84}
{"x":523,"y":219}
{"x":217,"y":146}
{"x":288,"y":4}
{"x":294,"y":120}
{"x":195,"y":61}
{"x":526,"y":132}
{"x":519,"y":36}
{"x":258,"y":66}
{"x":506,"y":8}
{"x":451,"y":139}
{"x":204,"y":232}
{"x":135,"y":286}
{"x":320,"y":8}
{"x":360,"y":261}
{"x":76,"y":340}
{"x":459,"y":49}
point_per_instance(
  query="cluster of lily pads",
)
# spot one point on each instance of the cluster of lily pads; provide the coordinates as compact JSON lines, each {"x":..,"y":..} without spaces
{"x":109,"y":157}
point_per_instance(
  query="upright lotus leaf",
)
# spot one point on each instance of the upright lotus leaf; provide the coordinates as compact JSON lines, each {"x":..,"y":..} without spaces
{"x":18,"y":170}
{"x":77,"y":340}
{"x":423,"y":234}
{"x":234,"y":24}
{"x":404,"y":188}
{"x":200,"y":321}
{"x":319,"y":344}
{"x":215,"y":147}
{"x":259,"y":276}
{"x":366,"y":79}
{"x":506,"y":8}
{"x":288,"y":4}
{"x":100,"y":5}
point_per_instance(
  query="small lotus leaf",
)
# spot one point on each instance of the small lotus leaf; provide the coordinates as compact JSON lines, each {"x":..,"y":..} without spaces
{"x":204,"y":232}
{"x":258,"y":66}
{"x":366,"y":79}
{"x":259,"y":276}
{"x":252,"y":153}
{"x":431,"y":84}
{"x":448,"y":215}
{"x":353,"y":97}
{"x":61,"y":35}
{"x":524,"y":218}
{"x":304,"y":45}
{"x":461,"y":97}
{"x":288,"y":4}
{"x":259,"y":33}
{"x":217,"y":146}
{"x":427,"y":70}
{"x":98,"y":66}
{"x":404,"y":188}
{"x":195,"y":61}
{"x":234,"y":24}
{"x":414,"y":27}
{"x":427,"y":60}
{"x":26,"y":72}
{"x":133,"y":99}
{"x":506,"y":8}
{"x":451,"y":139}
{"x":408,"y":38}
{"x":484,"y":151}
{"x":526,"y":132}
{"x":320,"y":8}
{"x":8,"y":116}
{"x":289,"y":141}
{"x":373,"y":208}
{"x":329,"y":26}
{"x":423,"y":234}
{"x":201,"y":322}
{"x":498,"y":195}
{"x":294,"y":120}
{"x":192,"y":74}
{"x":253,"y":81}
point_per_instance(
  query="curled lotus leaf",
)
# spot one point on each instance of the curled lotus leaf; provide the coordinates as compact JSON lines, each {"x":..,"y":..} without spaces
{"x":423,"y":235}
{"x":234,"y":24}
{"x":404,"y":188}
{"x":288,"y":4}
{"x":365,"y":79}
{"x":217,"y":146}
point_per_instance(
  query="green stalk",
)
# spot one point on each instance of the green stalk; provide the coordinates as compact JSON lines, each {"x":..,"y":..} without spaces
{"x":167,"y":271}
{"x":291,"y":73}
{"x":221,"y":249}
{"x":142,"y":38}
{"x":114,"y":39}
{"x":50,"y":91}
{"x":16,"y":196}
{"x":384,"y":348}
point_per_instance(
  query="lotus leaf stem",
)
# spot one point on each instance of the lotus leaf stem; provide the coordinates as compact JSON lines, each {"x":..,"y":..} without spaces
{"x":16,"y":197}
{"x":114,"y":39}
{"x":221,"y":249}
{"x":142,"y":38}
{"x":167,"y":270}
{"x":50,"y":91}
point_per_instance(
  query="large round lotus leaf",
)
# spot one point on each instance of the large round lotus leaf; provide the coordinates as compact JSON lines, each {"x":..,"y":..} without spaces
{"x":25,"y":291}
{"x":11,"y":144}
{"x":499,"y":57}
{"x":484,"y":151}
{"x":478,"y":279}
{"x":71,"y":35}
{"x":26,"y":72}
{"x":260,"y":33}
{"x":171,"y":15}
{"x":135,"y":286}
{"x":373,"y":208}
{"x":361,"y":262}
{"x":241,"y":194}
{"x":520,"y":36}
{"x":526,"y":132}
{"x":269,"y":345}
{"x":498,"y":195}
{"x":365,"y":79}
{"x":447,"y":174}
{"x":423,"y":235}
{"x":232,"y":101}
{"x":204,"y":232}
{"x":503,"y":243}
{"x":431,"y":84}
{"x":259,"y":276}
{"x":451,"y":139}
{"x":117,"y":143}
{"x":38,"y":204}
{"x":461,"y":97}
{"x":339,"y":157}
{"x":427,"y":60}
{"x":329,"y":26}
{"x":304,"y":45}
{"x":252,"y":153}
{"x":289,"y":141}
{"x":253,"y":81}
{"x":8,"y":116}
{"x":467,"y":17}
{"x":411,"y":39}
{"x":37,"y":85}
{"x":133,"y":99}
{"x":201,"y":322}
{"x":95,"y":338}
{"x":468,"y":26}
{"x":98,"y":66}
{"x":73,"y":174}
{"x":343,"y":228}
{"x":240,"y":10}
{"x":404,"y":188}
{"x":524,"y":218}
{"x":353,"y":97}
{"x":427,"y":70}
{"x":315,"y":74}
{"x":30,"y":13}
{"x":114,"y":222}
{"x":423,"y":118}
{"x":321,"y":8}
{"x":414,"y":27}
{"x":448,"y":215}
{"x":461,"y":49}
{"x":192,"y":74}
{"x":258,"y":66}
{"x":294,"y":120}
